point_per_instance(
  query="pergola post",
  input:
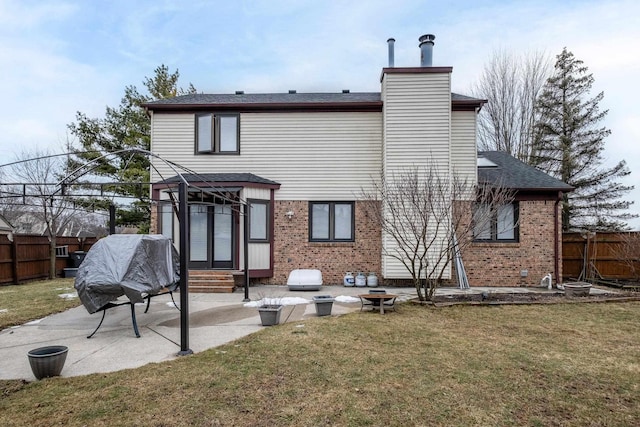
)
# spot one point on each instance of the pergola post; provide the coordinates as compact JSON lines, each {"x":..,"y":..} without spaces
{"x":112,"y":219}
{"x":246,"y":251}
{"x":183,"y":218}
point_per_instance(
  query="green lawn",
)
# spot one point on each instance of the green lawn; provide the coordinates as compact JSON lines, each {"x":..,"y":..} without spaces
{"x":33,"y":300}
{"x":539,"y":365}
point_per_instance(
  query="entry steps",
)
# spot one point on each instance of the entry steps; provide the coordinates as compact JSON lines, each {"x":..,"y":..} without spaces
{"x":211,"y":281}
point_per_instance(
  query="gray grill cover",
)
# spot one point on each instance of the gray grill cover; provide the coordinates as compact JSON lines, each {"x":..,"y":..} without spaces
{"x":126,"y":264}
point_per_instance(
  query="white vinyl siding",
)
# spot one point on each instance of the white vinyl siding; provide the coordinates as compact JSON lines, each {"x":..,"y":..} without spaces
{"x":463,"y":146}
{"x":259,"y":256}
{"x":417,"y":120}
{"x":417,"y":133}
{"x":314,"y":156}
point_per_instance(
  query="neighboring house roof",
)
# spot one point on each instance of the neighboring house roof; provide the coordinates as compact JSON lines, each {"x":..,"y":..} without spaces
{"x":287,"y":101}
{"x":5,"y":227}
{"x":217,"y":178}
{"x":28,"y":223}
{"x":511,"y":173}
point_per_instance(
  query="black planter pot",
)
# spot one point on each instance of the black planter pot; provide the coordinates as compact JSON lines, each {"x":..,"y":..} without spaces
{"x":47,"y":361}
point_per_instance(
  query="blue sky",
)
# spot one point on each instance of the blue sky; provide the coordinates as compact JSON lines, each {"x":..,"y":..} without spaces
{"x":58,"y":57}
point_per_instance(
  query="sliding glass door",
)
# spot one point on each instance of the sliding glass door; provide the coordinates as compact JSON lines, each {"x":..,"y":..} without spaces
{"x":211,"y":236}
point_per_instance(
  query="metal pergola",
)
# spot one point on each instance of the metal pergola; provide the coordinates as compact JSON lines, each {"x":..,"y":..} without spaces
{"x":60,"y":190}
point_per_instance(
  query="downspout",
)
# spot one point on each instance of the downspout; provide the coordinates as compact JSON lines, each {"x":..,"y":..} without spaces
{"x":272,"y":233}
{"x":556,"y":245}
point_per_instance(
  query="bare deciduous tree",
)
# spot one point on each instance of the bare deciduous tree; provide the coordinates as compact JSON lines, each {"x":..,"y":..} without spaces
{"x":628,"y":252}
{"x":424,"y":213}
{"x":10,"y":208}
{"x":41,"y":196}
{"x":511,"y":84}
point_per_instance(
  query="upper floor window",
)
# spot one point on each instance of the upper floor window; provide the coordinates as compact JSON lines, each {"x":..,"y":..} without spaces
{"x":218,"y":133}
{"x":496,"y":225}
{"x":331,"y":222}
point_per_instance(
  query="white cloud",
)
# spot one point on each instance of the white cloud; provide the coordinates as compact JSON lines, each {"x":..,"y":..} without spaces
{"x":17,"y":15}
{"x":61,"y":56}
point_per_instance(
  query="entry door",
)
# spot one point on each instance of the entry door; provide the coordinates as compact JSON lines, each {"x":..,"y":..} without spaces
{"x":211,"y":236}
{"x":222,"y":236}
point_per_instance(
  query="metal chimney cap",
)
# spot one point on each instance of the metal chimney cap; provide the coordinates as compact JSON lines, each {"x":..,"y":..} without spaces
{"x":427,"y":38}
{"x":390,"y":43}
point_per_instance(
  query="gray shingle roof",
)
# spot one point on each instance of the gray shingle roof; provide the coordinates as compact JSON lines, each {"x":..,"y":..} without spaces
{"x":512,"y":173}
{"x":216,"y":178}
{"x":267,"y":98}
{"x":249,"y":99}
{"x":458,"y":97}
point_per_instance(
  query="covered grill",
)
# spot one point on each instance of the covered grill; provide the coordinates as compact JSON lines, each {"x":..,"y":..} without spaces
{"x":135,"y":265}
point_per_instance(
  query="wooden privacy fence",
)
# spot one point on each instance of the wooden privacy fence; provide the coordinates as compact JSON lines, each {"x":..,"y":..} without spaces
{"x":27,"y":257}
{"x":601,"y":256}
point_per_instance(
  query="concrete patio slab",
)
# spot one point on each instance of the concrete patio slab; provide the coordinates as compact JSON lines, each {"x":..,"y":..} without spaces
{"x":214,"y":319}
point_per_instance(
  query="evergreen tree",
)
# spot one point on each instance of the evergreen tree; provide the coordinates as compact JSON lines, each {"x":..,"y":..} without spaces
{"x":569,"y":143}
{"x":124,"y":127}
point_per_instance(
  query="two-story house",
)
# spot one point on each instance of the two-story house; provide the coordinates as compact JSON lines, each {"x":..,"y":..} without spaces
{"x":301,"y":160}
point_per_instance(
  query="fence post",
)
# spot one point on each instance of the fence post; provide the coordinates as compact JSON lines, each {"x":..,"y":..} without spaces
{"x":14,"y":260}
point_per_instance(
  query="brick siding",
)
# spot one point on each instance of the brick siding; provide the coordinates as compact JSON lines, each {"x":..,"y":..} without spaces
{"x":500,"y":264}
{"x":154,"y":225}
{"x":487,"y":264}
{"x":293,"y":250}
